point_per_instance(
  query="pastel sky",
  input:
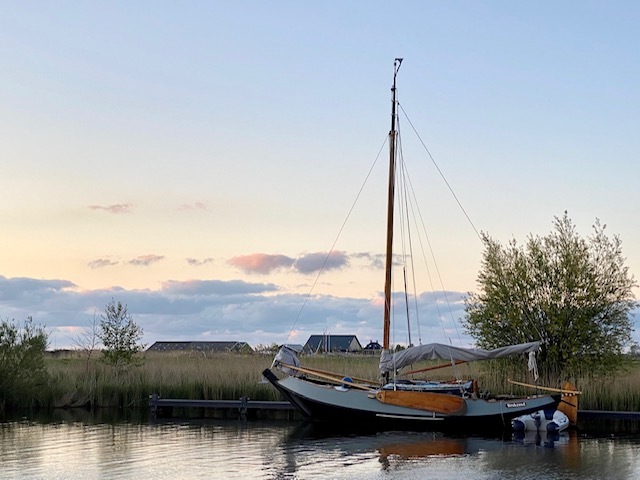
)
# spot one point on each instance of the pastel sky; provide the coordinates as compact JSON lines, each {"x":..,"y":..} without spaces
{"x":196,"y":160}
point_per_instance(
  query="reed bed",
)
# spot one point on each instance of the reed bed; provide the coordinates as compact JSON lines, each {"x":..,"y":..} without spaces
{"x":74,"y":382}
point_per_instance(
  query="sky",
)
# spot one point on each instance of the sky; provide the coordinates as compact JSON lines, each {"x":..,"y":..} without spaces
{"x":197,"y":160}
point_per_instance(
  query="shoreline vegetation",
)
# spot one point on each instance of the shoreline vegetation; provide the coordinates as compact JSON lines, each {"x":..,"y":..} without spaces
{"x":77,"y":382}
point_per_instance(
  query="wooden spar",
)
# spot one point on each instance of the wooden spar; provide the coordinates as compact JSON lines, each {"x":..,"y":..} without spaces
{"x":390,"y":210}
{"x":435,"y":367}
{"x":429,"y":401}
{"x":548,"y":389}
{"x":337,"y":376}
{"x":329,"y":377}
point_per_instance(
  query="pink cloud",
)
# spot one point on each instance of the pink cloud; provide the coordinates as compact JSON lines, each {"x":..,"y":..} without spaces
{"x":117,"y":208}
{"x":261,"y":263}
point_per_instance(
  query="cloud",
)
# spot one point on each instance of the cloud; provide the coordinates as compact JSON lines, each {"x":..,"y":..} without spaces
{"x":215,"y":287}
{"x":22,"y":291}
{"x":314,"y":262}
{"x":146,"y":260}
{"x":101,"y":263}
{"x":198,"y":263}
{"x":117,"y":208}
{"x":194,"y":206}
{"x":261,"y":263}
{"x":374,"y":260}
{"x":228,"y":310}
{"x":264,"y":264}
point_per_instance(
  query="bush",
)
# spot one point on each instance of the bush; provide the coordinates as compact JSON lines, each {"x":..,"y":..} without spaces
{"x":573,"y":294}
{"x":119,"y":335}
{"x":22,"y":367}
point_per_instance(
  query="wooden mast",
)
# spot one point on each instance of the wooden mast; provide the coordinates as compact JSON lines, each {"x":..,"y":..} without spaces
{"x":390,"y":209}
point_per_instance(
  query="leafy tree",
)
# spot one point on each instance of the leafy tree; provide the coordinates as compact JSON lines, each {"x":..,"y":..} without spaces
{"x":120,"y":336}
{"x":573,"y":294}
{"x":22,"y":367}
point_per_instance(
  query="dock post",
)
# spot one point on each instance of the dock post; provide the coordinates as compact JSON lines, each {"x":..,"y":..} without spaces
{"x":153,"y":403}
{"x":243,"y":406}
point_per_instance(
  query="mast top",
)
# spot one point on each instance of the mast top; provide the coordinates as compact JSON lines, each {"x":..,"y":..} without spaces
{"x":396,"y":66}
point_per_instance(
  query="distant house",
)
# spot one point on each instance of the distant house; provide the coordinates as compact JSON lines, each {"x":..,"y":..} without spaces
{"x":373,"y":346}
{"x":296,"y":347}
{"x":207,"y":347}
{"x":332,"y":343}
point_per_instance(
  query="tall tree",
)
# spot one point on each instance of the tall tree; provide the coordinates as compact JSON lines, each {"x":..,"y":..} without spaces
{"x":573,"y":294}
{"x":120,"y":336}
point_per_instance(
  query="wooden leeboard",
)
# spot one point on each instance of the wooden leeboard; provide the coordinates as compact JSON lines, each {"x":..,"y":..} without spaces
{"x":569,"y":403}
{"x":429,"y":401}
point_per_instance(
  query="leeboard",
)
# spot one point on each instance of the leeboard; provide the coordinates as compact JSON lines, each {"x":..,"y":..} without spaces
{"x":429,"y":401}
{"x":569,"y":403}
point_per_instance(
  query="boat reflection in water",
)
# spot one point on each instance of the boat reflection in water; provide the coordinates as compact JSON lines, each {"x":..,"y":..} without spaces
{"x":434,"y":453}
{"x":392,"y":449}
{"x":420,"y":447}
{"x":406,"y":448}
{"x":544,"y":439}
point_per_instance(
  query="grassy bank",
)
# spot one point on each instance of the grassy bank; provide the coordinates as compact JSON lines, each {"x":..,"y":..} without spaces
{"x":74,"y":382}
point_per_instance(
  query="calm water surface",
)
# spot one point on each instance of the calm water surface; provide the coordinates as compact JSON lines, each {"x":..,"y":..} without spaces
{"x":72,"y":449}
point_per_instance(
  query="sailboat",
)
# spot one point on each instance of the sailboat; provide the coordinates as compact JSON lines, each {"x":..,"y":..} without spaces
{"x":339,"y":400}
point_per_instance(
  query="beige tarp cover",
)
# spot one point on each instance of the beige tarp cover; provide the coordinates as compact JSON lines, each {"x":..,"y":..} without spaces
{"x":440,"y":351}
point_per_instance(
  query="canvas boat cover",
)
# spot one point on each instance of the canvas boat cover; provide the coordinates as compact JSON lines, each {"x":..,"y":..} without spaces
{"x":439,"y":351}
{"x":287,"y":355}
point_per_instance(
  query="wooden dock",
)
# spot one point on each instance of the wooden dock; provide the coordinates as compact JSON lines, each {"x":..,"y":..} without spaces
{"x":243,"y":407}
{"x":607,"y":415}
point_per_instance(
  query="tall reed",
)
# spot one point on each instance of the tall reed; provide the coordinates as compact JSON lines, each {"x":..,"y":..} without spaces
{"x":231,"y":376}
{"x":223,"y":376}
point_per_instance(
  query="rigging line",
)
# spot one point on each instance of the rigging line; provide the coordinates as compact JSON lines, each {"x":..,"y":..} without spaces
{"x":411,"y":255}
{"x":406,"y":186}
{"x":406,"y":182}
{"x":404,"y":220}
{"x":315,"y":282}
{"x":457,"y":201}
{"x":440,"y":172}
{"x":435,"y":263}
{"x":402,"y":181}
{"x":413,"y":274}
{"x":424,"y":256}
{"x":415,"y":208}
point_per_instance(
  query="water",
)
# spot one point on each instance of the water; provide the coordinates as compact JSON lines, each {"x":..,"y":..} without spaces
{"x":81,"y":449}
